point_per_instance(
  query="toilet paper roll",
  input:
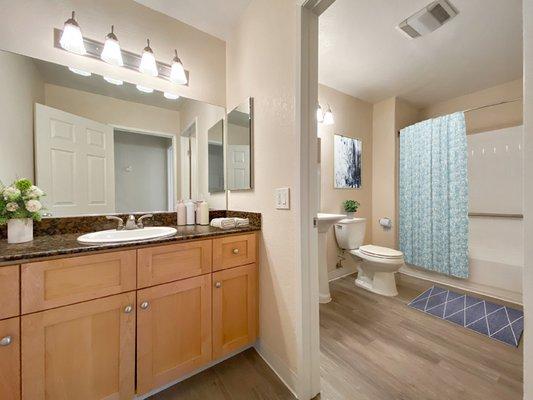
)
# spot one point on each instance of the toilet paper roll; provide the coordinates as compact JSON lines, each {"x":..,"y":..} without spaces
{"x":385,"y":222}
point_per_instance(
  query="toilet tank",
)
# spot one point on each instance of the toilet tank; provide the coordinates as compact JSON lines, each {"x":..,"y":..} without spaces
{"x":350,"y":233}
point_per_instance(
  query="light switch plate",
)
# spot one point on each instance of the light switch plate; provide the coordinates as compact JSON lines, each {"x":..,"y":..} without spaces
{"x":283,"y":200}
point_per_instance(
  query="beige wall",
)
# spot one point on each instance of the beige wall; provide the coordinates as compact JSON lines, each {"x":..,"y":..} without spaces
{"x":26,"y":27}
{"x":21,"y":86}
{"x":353,"y":117}
{"x":528,"y":199}
{"x":490,"y":118}
{"x":261,"y":63}
{"x":111,"y":111}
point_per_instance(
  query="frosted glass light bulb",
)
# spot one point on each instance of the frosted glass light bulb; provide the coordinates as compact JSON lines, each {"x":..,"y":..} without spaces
{"x":111,"y":53}
{"x":177,"y":72}
{"x":71,"y":38}
{"x":148,"y":65}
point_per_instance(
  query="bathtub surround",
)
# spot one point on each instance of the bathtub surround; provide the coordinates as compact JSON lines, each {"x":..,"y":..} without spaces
{"x":496,"y":321}
{"x":434,"y":195}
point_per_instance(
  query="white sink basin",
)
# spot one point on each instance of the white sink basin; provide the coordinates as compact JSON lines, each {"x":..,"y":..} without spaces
{"x":326,"y":221}
{"x":114,"y":236}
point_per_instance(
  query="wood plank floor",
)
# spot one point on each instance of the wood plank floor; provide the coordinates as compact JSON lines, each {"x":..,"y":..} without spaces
{"x":377,"y":348}
{"x":243,"y":377}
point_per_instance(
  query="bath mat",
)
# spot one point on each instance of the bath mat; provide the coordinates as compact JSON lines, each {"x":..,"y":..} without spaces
{"x":493,"y":320}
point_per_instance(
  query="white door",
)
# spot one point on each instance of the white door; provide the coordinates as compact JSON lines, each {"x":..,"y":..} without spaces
{"x":74,"y":163}
{"x":238,"y":167}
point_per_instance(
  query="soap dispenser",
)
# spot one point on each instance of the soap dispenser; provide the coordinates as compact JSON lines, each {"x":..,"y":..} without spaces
{"x":181,"y":212}
{"x":189,"y":205}
{"x":203,"y":210}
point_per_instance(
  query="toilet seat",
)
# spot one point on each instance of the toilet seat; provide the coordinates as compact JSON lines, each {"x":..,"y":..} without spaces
{"x":381,"y":252}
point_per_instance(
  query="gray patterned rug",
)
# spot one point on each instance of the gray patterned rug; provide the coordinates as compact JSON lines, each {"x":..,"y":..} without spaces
{"x":493,"y":320}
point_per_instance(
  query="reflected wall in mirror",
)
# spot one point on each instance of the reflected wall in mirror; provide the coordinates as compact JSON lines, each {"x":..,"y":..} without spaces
{"x":102,"y":147}
{"x":215,"y":146}
{"x":239,"y":147}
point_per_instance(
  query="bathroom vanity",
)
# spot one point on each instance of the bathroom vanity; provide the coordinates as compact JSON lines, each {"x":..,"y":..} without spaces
{"x":120,"y":321}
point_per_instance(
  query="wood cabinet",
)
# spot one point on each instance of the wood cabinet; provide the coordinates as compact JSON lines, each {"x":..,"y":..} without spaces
{"x":173,"y":331}
{"x":232,"y":251}
{"x":10,"y":359}
{"x":162,"y":264}
{"x":54,"y":283}
{"x":235,"y":309}
{"x":84,"y":351}
{"x":9,"y":292}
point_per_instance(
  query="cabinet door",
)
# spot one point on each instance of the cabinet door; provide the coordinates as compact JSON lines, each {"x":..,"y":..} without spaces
{"x":10,"y":290}
{"x":80,"y":352}
{"x":10,"y":359}
{"x":233,"y":251}
{"x":162,"y":264}
{"x":235,"y":302}
{"x":54,"y":283}
{"x":173,"y":331}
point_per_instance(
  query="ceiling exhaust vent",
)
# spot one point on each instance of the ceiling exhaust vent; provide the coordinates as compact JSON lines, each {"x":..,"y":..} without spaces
{"x":428,"y":19}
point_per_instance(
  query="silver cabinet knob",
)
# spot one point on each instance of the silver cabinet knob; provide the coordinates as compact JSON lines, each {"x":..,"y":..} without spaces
{"x":218,"y":285}
{"x":128,"y":309}
{"x":144,"y":305}
{"x":235,"y":251}
{"x":6,"y":341}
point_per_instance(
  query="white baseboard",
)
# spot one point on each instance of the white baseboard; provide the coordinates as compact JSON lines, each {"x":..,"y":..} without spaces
{"x":280,"y":368}
{"x":338,"y":273}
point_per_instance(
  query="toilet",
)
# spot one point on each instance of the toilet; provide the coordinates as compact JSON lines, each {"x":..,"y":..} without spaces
{"x":376,"y":271}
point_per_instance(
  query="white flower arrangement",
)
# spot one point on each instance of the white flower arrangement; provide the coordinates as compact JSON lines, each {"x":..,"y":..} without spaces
{"x":20,"y":200}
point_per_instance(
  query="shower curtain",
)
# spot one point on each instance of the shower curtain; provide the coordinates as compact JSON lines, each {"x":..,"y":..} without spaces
{"x":434,"y":195}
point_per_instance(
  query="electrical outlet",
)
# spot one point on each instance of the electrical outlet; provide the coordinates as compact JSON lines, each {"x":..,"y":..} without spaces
{"x":283,"y":199}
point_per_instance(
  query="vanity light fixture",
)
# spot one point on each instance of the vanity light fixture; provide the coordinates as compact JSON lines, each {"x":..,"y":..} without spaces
{"x":79,"y":71}
{"x":111,"y":53}
{"x":171,"y":96}
{"x":319,"y":114}
{"x":113,"y":81}
{"x":144,"y":89}
{"x":328,"y":117}
{"x":72,"y":39}
{"x":177,"y":72}
{"x":148,"y":65}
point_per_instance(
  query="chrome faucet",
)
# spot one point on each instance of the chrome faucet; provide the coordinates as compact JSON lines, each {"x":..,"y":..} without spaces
{"x":130,"y":222}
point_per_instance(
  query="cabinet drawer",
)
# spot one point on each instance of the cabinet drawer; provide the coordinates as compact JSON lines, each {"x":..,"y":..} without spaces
{"x":169,"y":263}
{"x":233,"y":251}
{"x":9,"y":288}
{"x":10,"y":359}
{"x":49,"y":284}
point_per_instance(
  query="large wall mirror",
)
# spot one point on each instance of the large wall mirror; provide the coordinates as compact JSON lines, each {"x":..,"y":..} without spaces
{"x":100,"y":146}
{"x":239,"y":147}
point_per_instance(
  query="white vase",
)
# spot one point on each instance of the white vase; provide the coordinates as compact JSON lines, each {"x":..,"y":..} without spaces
{"x":19,"y":230}
{"x":350,"y":214}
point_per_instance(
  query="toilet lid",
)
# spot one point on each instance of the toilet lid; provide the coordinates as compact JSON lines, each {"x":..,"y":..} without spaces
{"x":379,"y":251}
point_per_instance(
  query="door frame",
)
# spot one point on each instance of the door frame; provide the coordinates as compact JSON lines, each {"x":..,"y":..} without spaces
{"x":308,"y":326}
{"x":193,"y":156}
{"x":172,"y":167}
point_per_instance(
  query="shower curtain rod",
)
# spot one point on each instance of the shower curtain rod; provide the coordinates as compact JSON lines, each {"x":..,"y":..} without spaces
{"x":485,"y":106}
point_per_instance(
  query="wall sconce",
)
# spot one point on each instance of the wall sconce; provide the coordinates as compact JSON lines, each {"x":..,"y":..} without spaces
{"x":328,"y":117}
{"x":111,"y":53}
{"x":177,"y":72}
{"x":72,"y":39}
{"x":148,"y":65}
{"x":319,"y":114}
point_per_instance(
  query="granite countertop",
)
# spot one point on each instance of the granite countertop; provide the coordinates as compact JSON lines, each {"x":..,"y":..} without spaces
{"x":64,"y":244}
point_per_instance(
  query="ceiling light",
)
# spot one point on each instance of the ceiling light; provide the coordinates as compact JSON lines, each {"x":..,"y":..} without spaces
{"x":319,"y":114}
{"x":145,"y":89}
{"x":177,"y":72}
{"x":71,"y":38}
{"x":113,"y":80}
{"x":79,"y":71}
{"x":171,"y":96}
{"x":148,"y":65}
{"x":328,"y":117}
{"x":111,"y":53}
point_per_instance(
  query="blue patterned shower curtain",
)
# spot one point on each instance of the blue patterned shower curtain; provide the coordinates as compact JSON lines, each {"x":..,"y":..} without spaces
{"x":434,"y":195}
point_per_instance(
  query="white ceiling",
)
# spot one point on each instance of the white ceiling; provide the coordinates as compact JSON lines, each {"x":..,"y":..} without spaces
{"x":362,"y":53}
{"x":216,"y":17}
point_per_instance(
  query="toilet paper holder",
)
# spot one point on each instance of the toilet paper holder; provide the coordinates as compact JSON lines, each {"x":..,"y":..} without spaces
{"x":385,"y":222}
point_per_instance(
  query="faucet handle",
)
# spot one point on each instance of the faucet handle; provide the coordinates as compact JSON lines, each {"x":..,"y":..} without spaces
{"x":118,"y":219}
{"x":140,"y":224}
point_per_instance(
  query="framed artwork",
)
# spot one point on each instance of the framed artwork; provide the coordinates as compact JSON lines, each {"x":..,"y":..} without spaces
{"x":347,"y":162}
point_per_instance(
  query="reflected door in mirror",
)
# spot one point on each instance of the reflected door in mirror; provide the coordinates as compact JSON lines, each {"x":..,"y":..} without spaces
{"x":239,"y":146}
